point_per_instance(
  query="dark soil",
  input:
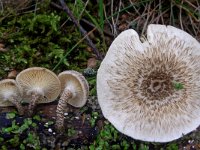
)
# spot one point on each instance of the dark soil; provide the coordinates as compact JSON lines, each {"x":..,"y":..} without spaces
{"x":83,"y":133}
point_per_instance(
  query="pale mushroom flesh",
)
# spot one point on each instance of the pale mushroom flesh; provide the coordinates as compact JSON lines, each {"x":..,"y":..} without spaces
{"x":10,"y":95}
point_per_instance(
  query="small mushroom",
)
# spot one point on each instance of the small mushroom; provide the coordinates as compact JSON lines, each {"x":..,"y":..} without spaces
{"x":75,"y":91}
{"x":10,"y":94}
{"x":38,"y":85}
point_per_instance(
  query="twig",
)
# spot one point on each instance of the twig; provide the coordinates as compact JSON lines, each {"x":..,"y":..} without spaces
{"x":81,"y":13}
{"x":92,"y":25}
{"x":171,"y":19}
{"x":82,"y":30}
{"x":56,"y":5}
{"x":160,"y":11}
{"x":68,"y":52}
{"x":114,"y":30}
{"x":180,"y":16}
{"x":193,"y":26}
{"x":147,"y":19}
{"x":106,"y":18}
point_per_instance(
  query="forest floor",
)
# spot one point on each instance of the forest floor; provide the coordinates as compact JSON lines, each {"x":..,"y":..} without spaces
{"x":42,"y":33}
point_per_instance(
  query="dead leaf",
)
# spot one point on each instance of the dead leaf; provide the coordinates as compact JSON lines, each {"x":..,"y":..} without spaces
{"x":123,"y":26}
{"x":89,"y":49}
{"x":2,"y":48}
{"x":91,"y":63}
{"x":12,"y":74}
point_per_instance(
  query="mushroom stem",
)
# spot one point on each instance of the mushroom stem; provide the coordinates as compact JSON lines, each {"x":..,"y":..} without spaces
{"x":33,"y":102}
{"x":62,"y":104}
{"x":18,"y":105}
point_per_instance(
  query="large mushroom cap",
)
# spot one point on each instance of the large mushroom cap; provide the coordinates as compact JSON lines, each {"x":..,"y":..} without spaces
{"x":77,"y":85}
{"x":8,"y":89}
{"x":136,"y":84}
{"x":40,"y":80}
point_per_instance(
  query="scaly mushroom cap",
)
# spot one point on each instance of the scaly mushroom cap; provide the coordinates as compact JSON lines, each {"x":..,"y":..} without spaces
{"x":8,"y":90}
{"x":41,"y":81}
{"x":77,"y":85}
{"x":136,"y":84}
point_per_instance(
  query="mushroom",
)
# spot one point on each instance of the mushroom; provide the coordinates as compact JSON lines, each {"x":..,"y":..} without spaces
{"x":10,"y":95}
{"x":38,"y":85}
{"x":75,"y":91}
{"x":136,"y":84}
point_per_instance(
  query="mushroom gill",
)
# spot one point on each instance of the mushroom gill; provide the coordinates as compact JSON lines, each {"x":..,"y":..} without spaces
{"x":10,"y":95}
{"x":136,"y":84}
{"x":38,"y":85}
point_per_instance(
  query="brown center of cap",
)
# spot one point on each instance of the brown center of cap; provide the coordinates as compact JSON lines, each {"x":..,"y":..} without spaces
{"x":157,"y":85}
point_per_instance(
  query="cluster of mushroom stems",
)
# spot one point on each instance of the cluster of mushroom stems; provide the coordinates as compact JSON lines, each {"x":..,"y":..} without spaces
{"x":40,"y":85}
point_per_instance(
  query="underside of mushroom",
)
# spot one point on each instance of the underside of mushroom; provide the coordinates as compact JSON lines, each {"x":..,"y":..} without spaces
{"x":10,"y":95}
{"x":137,"y":84}
{"x":38,"y":85}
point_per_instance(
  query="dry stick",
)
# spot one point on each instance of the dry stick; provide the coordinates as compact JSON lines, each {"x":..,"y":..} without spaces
{"x":104,"y":9}
{"x":161,"y":16}
{"x":152,"y":14}
{"x":114,"y":30}
{"x":180,"y":16}
{"x":193,"y":25}
{"x":92,"y":25}
{"x":190,"y":4}
{"x":189,"y":13}
{"x":84,"y":20}
{"x":117,"y":18}
{"x":140,"y":20}
{"x":82,"y":30}
{"x":147,"y":19}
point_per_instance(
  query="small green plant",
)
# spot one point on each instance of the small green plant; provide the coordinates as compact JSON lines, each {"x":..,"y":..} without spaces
{"x":71,"y":132}
{"x":11,"y":129}
{"x":49,"y":123}
{"x":16,"y":129}
{"x":92,"y":83}
{"x":14,"y":141}
{"x":93,"y":119}
{"x":109,"y":138}
{"x":19,"y":129}
{"x":10,"y":115}
{"x":172,"y":146}
{"x":32,"y":141}
{"x":37,"y":117}
{"x":178,"y":86}
{"x":143,"y":147}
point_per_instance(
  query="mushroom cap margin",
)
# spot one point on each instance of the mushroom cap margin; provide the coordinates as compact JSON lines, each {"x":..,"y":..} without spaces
{"x":8,"y":87}
{"x":39,"y":79}
{"x":77,"y":84}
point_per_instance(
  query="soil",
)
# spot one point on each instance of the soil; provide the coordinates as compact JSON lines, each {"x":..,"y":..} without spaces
{"x":79,"y":121}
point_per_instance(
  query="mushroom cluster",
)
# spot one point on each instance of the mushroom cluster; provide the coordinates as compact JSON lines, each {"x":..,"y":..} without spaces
{"x":40,"y":85}
{"x":137,"y":84}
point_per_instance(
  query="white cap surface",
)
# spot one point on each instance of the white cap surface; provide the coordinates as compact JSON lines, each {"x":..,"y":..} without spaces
{"x":135,"y":84}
